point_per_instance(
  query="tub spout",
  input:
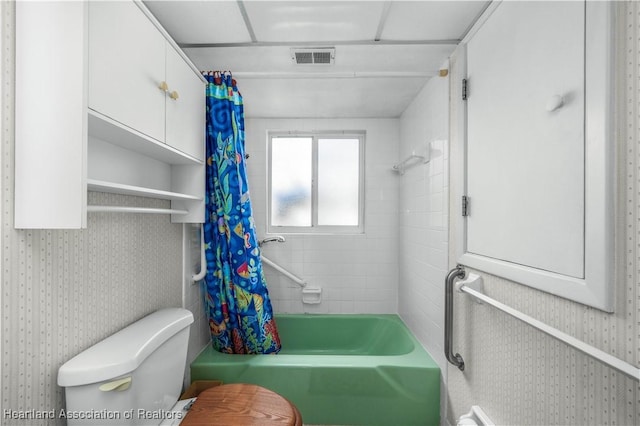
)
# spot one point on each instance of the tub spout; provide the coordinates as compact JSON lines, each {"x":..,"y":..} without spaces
{"x":277,"y":238}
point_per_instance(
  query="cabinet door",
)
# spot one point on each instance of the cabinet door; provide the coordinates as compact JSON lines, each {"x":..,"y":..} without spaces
{"x":186,"y":114}
{"x":526,"y":159}
{"x":51,"y":118}
{"x":126,"y":67}
{"x":539,"y":147}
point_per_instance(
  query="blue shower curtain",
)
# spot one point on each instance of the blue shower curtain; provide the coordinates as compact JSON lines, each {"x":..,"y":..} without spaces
{"x":237,"y":301}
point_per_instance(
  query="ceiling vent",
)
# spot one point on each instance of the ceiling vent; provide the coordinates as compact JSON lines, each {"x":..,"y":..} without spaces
{"x":316,"y":56}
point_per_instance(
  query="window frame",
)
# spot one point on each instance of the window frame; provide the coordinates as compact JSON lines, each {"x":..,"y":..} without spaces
{"x":315,"y":228}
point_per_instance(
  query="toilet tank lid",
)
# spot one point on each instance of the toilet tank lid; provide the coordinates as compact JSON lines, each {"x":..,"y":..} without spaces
{"x":125,"y":350}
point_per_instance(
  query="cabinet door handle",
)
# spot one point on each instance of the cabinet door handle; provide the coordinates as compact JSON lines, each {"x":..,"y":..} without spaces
{"x":555,"y":103}
{"x":174,"y":95}
{"x":163,"y":86}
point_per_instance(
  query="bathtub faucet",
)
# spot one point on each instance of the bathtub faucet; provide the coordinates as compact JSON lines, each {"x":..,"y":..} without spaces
{"x":277,"y":238}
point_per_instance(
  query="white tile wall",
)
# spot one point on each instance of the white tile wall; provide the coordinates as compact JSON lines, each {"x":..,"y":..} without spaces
{"x":424,"y":217}
{"x":357,"y":273}
{"x":423,"y":236}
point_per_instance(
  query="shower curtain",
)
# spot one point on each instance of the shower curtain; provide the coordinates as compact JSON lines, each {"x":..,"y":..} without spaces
{"x":237,"y":301}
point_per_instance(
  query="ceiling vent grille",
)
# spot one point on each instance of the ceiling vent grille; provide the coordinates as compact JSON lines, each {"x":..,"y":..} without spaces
{"x":317,"y":56}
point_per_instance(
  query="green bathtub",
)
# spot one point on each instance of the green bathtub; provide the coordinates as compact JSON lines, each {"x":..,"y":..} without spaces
{"x":340,"y":370}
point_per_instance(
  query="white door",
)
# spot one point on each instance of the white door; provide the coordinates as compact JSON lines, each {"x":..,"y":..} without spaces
{"x":525,"y":136}
{"x":126,"y":66}
{"x":186,"y":113}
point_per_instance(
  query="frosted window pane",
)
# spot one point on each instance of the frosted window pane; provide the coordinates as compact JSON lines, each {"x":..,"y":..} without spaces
{"x":338,"y":174}
{"x":291,"y":181}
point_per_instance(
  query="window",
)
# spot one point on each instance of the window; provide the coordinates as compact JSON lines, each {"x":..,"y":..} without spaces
{"x":316,"y":182}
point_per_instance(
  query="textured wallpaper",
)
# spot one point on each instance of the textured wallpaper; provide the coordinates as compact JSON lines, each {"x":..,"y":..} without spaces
{"x":517,"y":374}
{"x":62,"y":291}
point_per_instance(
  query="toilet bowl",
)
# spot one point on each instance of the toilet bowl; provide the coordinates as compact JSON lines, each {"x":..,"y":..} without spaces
{"x":135,"y":376}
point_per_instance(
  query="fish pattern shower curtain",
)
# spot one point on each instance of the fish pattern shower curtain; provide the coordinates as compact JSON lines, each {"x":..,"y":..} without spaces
{"x":237,"y":301}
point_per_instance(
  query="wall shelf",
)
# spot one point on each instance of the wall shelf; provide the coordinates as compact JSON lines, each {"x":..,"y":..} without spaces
{"x":109,"y":130}
{"x":142,"y":210}
{"x":143,"y":144}
{"x":118,"y":188}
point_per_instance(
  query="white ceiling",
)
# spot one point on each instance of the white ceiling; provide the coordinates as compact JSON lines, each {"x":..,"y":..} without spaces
{"x":385,"y":50}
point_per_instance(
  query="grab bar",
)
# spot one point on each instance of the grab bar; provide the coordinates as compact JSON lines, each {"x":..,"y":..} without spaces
{"x":465,"y":287}
{"x":203,"y":258}
{"x":457,"y":272}
{"x":583,"y":347}
{"x":296,"y":279}
{"x":203,"y":263}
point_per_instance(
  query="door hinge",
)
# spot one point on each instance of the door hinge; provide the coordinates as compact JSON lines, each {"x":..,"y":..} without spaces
{"x":465,"y":206}
{"x":465,"y":88}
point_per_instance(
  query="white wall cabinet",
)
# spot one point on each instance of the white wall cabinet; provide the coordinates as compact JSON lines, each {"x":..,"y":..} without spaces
{"x":539,"y":148}
{"x":126,"y":67}
{"x":98,"y":119}
{"x":137,"y":78}
{"x":184,"y":129}
{"x":526,"y":162}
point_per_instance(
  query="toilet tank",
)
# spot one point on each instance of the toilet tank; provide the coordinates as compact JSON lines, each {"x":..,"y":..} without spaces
{"x":132,"y":377}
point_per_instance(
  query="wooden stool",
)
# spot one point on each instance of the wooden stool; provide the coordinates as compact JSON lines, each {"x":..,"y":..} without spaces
{"x":241,"y":404}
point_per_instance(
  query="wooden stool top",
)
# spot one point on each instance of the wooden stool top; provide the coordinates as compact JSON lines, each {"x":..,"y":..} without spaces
{"x":242,"y":405}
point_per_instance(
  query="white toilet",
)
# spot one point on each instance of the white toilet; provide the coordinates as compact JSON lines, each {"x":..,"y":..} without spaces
{"x":133,"y":377}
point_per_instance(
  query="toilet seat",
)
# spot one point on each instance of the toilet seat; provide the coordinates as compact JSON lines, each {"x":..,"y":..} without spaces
{"x":243,"y":405}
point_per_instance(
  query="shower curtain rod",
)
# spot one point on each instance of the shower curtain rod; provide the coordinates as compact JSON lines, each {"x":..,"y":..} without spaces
{"x":336,"y":74}
{"x":444,"y":42}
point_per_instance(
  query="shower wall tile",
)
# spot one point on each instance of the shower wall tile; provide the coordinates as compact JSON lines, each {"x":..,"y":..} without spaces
{"x":64,"y":290}
{"x":357,"y":273}
{"x":423,"y":222}
{"x":423,"y":219}
{"x":519,"y":375}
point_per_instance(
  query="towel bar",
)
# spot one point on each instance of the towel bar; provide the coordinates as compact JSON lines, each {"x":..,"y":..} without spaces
{"x":466,"y":287}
